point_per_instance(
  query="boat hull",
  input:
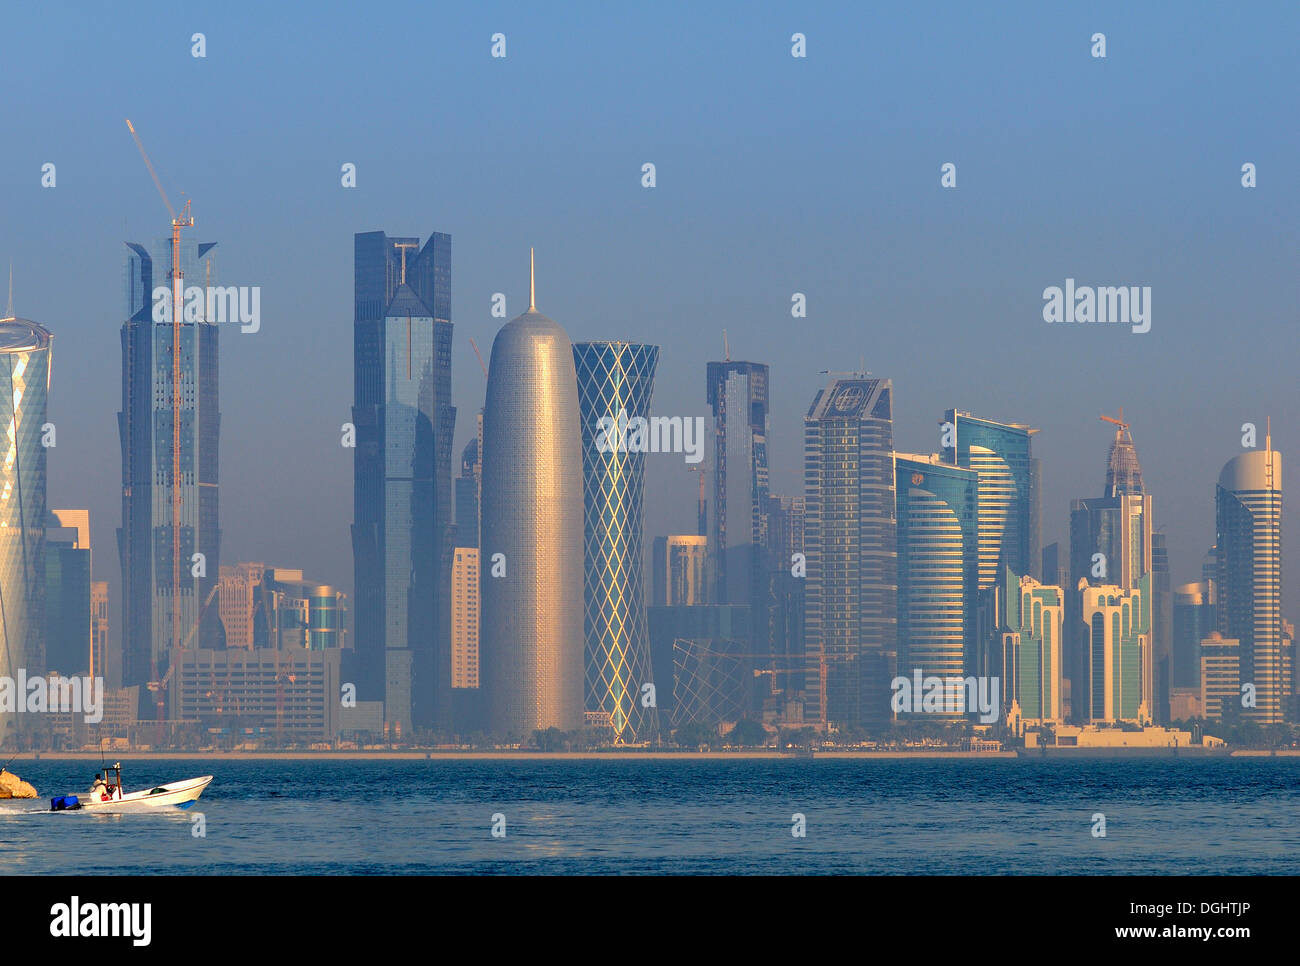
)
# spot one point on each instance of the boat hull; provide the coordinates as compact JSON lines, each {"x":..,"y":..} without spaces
{"x":180,"y":794}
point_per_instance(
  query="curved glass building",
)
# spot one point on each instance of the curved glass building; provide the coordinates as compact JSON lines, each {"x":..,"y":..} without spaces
{"x":24,"y":390}
{"x":531,"y":637}
{"x":615,"y":381}
{"x":1248,"y":503}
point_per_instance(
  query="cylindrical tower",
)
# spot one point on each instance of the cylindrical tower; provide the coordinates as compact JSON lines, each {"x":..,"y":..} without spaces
{"x":24,"y":390}
{"x":615,"y":380}
{"x":531,"y":640}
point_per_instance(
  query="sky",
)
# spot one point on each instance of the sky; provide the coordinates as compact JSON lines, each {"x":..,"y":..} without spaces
{"x":774,"y":175}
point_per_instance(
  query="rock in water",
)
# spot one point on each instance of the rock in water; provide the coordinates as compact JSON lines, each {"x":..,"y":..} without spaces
{"x":11,"y":786}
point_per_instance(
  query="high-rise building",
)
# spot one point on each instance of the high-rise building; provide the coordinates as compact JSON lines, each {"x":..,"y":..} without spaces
{"x":236,"y":599}
{"x":737,"y":392}
{"x":1115,"y":631}
{"x":24,"y":394}
{"x":1110,"y":543}
{"x":531,"y":641}
{"x":938,"y":566}
{"x":1249,"y":526}
{"x":464,"y":617}
{"x":402,"y":510}
{"x":155,"y":619}
{"x":99,"y":628}
{"x":679,"y":570}
{"x":615,"y":383}
{"x":1031,"y":623}
{"x":1220,"y":675}
{"x":67,"y":592}
{"x":1162,"y":627}
{"x":1010,"y":486}
{"x":1009,"y":511}
{"x":469,"y":485}
{"x":1195,"y":615}
{"x":851,"y":597}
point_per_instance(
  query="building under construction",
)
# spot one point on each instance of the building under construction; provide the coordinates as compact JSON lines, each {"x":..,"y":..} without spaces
{"x":154,"y":550}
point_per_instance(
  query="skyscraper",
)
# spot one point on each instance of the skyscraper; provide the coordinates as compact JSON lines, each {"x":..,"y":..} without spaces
{"x":465,"y":571}
{"x":25,"y":385}
{"x":402,"y":475}
{"x":468,"y":487}
{"x":938,"y":565}
{"x":738,"y":394}
{"x":1010,"y":487}
{"x":1249,"y":526}
{"x":1032,"y":620}
{"x":851,"y":598}
{"x":1110,"y":543}
{"x":67,"y":591}
{"x":615,"y":382}
{"x":152,"y":620}
{"x":1116,"y":635}
{"x":1009,"y":512}
{"x":531,"y":638}
{"x":1195,"y":615}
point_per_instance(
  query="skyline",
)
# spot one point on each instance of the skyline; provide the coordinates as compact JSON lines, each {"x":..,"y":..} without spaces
{"x":1212,"y":251}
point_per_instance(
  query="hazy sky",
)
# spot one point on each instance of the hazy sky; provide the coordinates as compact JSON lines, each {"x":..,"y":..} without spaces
{"x":775,"y":175}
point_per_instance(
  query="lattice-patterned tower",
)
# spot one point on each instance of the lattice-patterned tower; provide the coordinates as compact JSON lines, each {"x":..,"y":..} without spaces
{"x":615,"y":380}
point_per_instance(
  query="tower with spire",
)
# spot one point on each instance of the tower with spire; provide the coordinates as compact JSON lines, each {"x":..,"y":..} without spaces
{"x":531,"y":652}
{"x":1111,"y":543}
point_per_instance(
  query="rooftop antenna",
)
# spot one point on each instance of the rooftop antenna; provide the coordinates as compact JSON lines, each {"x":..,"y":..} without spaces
{"x":726,"y":349}
{"x":9,"y":312}
{"x":532,"y":283}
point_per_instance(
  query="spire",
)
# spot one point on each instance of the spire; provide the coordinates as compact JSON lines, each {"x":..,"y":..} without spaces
{"x":532,"y":283}
{"x":1123,"y":472}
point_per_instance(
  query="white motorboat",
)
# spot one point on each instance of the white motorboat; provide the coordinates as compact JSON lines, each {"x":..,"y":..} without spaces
{"x":181,"y":794}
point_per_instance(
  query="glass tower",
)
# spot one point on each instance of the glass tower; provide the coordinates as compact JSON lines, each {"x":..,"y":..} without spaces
{"x":25,"y":386}
{"x":615,"y":382}
{"x":849,"y":539}
{"x":1249,"y":525}
{"x":153,"y":621}
{"x":938,"y":565}
{"x":402,"y":475}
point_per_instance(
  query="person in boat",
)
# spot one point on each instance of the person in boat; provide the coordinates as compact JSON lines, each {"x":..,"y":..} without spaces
{"x":99,"y":789}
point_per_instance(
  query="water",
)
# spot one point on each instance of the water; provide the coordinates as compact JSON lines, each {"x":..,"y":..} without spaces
{"x":1163,"y":815}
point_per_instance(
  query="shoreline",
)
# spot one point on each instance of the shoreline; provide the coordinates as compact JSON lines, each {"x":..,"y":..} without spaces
{"x":1055,"y":753}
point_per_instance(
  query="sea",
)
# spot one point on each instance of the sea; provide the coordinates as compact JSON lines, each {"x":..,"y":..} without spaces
{"x":1186,"y":816}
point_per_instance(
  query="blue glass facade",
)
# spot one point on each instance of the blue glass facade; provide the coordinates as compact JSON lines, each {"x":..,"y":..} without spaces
{"x":938,"y":566}
{"x":614,"y":378}
{"x":402,"y":475}
{"x":152,"y":619}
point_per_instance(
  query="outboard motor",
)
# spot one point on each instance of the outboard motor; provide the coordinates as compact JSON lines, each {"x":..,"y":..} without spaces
{"x":64,"y":802}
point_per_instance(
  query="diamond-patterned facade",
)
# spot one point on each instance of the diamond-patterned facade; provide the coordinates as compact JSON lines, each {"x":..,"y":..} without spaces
{"x":615,"y":381}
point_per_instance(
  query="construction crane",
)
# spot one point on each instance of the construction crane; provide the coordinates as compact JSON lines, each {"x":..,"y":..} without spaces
{"x":480,"y":358}
{"x":1123,"y":426}
{"x":177,"y":278}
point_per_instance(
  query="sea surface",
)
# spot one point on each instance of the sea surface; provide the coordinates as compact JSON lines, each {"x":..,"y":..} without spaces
{"x":905,"y":817}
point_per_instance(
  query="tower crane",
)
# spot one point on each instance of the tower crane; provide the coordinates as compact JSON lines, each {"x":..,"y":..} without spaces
{"x":177,"y":279}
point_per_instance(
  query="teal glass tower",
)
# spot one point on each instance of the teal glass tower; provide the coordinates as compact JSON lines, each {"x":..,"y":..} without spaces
{"x":938,"y":565}
{"x":615,"y":382}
